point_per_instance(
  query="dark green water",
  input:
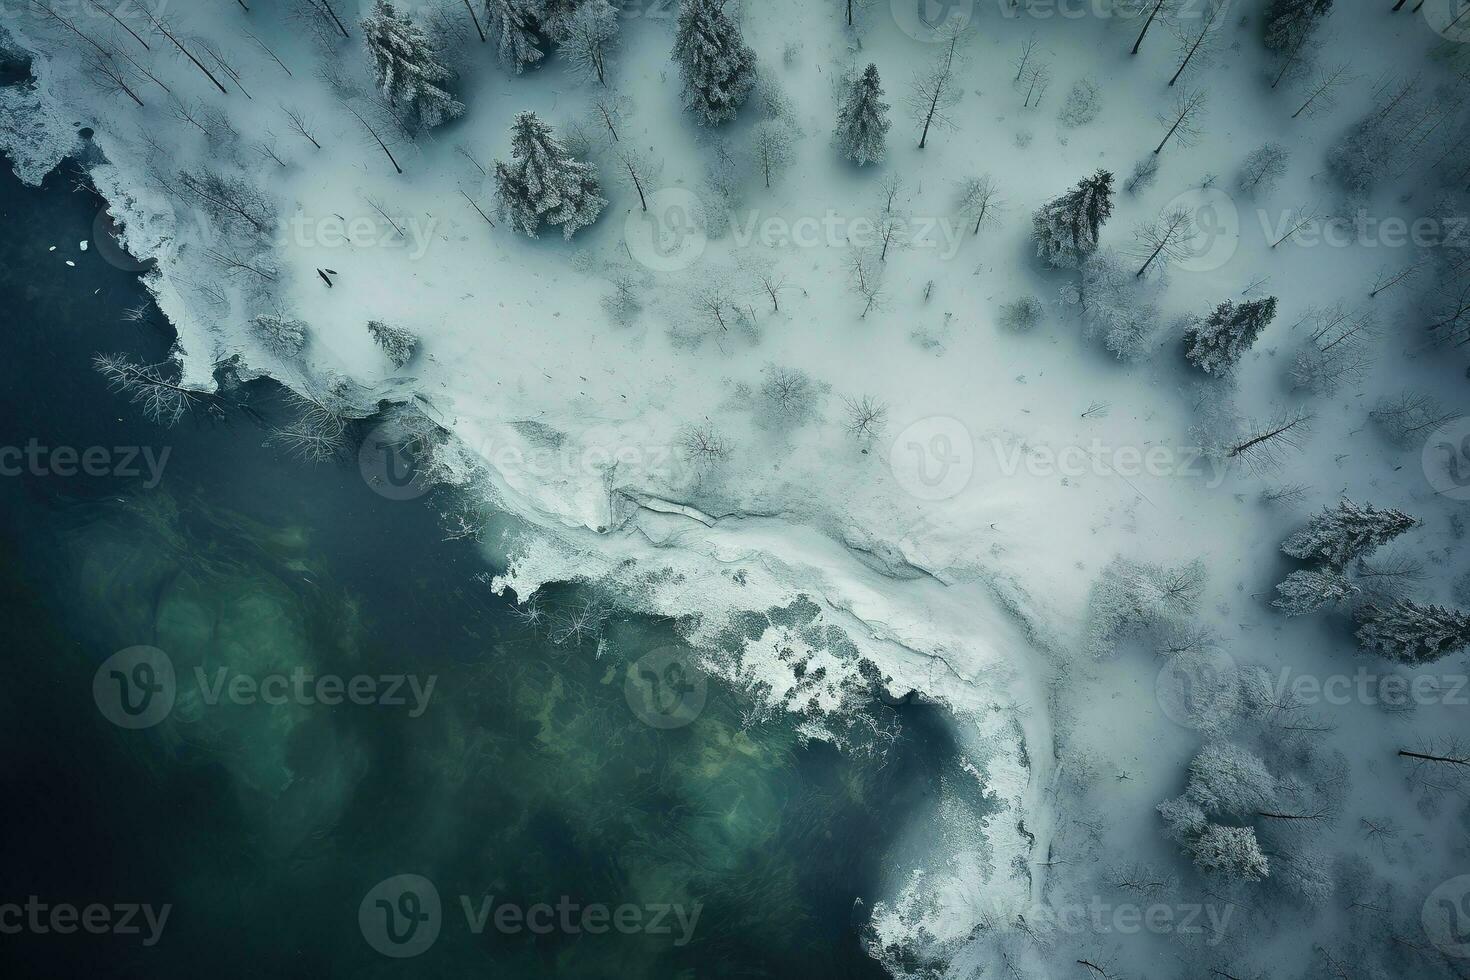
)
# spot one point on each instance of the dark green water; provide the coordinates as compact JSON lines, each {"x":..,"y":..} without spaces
{"x":263,"y":827}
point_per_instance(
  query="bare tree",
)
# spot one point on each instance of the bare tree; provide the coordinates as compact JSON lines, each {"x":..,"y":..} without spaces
{"x":1038,"y":80}
{"x":1182,"y":121}
{"x":704,"y":445}
{"x":1262,"y":168}
{"x":1301,"y":217}
{"x":230,"y":199}
{"x":1168,"y":235}
{"x":1439,"y":768}
{"x":298,"y":124}
{"x":113,"y":74}
{"x":867,"y":417}
{"x":163,"y":28}
{"x":317,"y":429}
{"x":934,"y":93}
{"x":374,"y":133}
{"x":266,"y":48}
{"x":1410,"y":416}
{"x":1449,"y":313}
{"x":641,"y":170}
{"x":1388,"y":279}
{"x":771,"y":146}
{"x":1023,"y":60}
{"x":1322,"y":96}
{"x":978,"y":200}
{"x":154,"y":387}
{"x":1155,"y":7}
{"x":1199,"y":40}
{"x":1263,"y":446}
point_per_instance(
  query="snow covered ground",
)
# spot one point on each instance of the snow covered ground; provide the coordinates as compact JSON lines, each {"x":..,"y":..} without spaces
{"x":957,"y":549}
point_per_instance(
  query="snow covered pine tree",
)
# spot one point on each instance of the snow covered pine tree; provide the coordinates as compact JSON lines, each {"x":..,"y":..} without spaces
{"x":397,"y":343}
{"x":1217,"y":342}
{"x":717,"y":66}
{"x":1405,"y":631}
{"x":408,"y":70}
{"x":518,"y":35}
{"x":862,"y":122}
{"x":1067,"y":227}
{"x":544,"y":182}
{"x":1337,"y":536}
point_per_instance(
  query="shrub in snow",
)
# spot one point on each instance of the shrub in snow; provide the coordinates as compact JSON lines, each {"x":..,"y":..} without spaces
{"x":1411,"y":633}
{"x":1338,"y":535}
{"x":544,"y":182}
{"x":1066,"y":228}
{"x":1022,"y":314}
{"x":397,"y":343}
{"x":1082,"y":104}
{"x":407,"y":66}
{"x":716,"y":65}
{"x":280,"y":336}
{"x":1306,"y":590}
{"x":1216,"y":343}
{"x":862,"y":122}
{"x":1112,"y":308}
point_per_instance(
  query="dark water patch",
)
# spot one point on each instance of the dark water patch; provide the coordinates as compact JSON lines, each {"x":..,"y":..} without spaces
{"x":525,"y":780}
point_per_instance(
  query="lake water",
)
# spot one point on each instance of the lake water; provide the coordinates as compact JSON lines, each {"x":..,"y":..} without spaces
{"x":519,"y":818}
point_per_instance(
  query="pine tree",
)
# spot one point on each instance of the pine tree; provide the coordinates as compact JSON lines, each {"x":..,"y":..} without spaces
{"x":397,"y":343}
{"x":1307,"y":590}
{"x":405,"y":60}
{"x":1216,"y":343}
{"x":518,"y":35}
{"x":715,"y":63}
{"x":544,"y":182}
{"x":1405,"y":631}
{"x":1338,"y":535}
{"x":862,"y":122}
{"x":1067,"y":227}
